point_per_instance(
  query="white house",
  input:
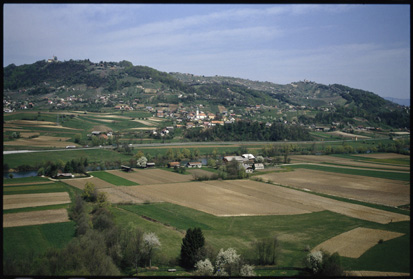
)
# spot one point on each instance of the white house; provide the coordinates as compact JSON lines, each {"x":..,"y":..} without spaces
{"x":194,"y":165}
{"x":258,"y":166}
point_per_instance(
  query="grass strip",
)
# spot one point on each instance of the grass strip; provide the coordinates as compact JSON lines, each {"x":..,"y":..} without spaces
{"x":113,"y":179}
{"x":25,"y":180}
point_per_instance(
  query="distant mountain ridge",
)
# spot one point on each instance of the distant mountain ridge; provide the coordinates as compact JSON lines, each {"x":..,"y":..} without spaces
{"x":402,"y":102}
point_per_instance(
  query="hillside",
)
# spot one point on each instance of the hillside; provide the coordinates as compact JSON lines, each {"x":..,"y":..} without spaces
{"x":104,"y":85}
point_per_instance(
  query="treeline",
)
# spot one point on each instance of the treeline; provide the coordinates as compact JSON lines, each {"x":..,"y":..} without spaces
{"x":397,"y":118}
{"x":249,"y":131}
{"x":73,"y":166}
{"x":69,"y":72}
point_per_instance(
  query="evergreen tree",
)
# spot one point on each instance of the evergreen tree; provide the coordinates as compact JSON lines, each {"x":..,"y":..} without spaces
{"x":192,"y":248}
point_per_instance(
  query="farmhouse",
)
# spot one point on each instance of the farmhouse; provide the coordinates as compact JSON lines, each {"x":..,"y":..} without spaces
{"x":150,"y":165}
{"x":64,"y":175}
{"x":248,"y":168}
{"x":258,"y":166}
{"x":248,"y":156}
{"x":173,"y":164}
{"x":126,"y":168}
{"x":236,"y":158}
{"x":194,"y":165}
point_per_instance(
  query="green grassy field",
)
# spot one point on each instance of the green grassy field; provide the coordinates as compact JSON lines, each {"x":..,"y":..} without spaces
{"x":370,"y":173}
{"x":34,"y":179}
{"x":35,"y":189}
{"x":113,"y":179}
{"x":93,"y":155}
{"x":34,"y":240}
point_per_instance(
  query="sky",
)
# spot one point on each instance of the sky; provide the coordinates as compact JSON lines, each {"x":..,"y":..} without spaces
{"x":361,"y":46}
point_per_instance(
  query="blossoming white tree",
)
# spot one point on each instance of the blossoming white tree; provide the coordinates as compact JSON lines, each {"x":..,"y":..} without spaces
{"x":150,"y":243}
{"x":204,"y":268}
{"x":141,"y":162}
{"x":314,"y":261}
{"x":228,"y":263}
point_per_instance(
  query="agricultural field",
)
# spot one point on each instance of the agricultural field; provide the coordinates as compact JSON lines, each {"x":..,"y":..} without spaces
{"x":362,"y":188}
{"x":364,"y":160}
{"x":151,"y":176}
{"x":354,"y":243}
{"x":35,"y":218}
{"x":33,"y":200}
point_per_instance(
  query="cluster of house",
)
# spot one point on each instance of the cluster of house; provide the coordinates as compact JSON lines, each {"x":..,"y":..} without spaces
{"x":247,"y":161}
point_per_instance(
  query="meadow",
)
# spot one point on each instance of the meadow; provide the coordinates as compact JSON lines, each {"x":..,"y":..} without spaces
{"x":295,"y":232}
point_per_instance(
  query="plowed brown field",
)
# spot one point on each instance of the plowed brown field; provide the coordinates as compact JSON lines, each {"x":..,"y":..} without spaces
{"x":81,"y":182}
{"x":350,"y":162}
{"x":354,"y":243}
{"x":152,"y":176}
{"x":363,"y":188}
{"x":32,"y":200}
{"x":35,"y":218}
{"x":246,"y":197}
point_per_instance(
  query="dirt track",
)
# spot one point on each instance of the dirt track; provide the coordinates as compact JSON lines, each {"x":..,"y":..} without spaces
{"x":356,"y":242}
{"x":35,"y":217}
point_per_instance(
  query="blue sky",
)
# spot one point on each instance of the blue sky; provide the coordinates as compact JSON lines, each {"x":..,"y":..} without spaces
{"x":361,"y":46}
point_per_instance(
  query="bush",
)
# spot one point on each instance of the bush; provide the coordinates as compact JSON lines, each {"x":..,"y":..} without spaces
{"x":90,"y":193}
{"x":102,"y":219}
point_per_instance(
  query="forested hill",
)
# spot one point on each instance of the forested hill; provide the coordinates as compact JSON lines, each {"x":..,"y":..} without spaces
{"x":149,"y":86}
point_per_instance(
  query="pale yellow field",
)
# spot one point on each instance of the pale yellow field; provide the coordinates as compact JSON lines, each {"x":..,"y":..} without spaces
{"x":35,"y":218}
{"x":356,"y":242}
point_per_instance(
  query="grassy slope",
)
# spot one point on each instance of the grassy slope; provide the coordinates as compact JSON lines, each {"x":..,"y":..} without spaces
{"x":294,"y":232}
{"x":23,"y":241}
